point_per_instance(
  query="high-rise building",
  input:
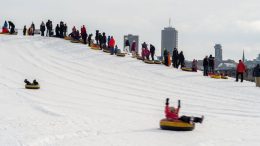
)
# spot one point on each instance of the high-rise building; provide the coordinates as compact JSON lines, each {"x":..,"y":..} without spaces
{"x":243,"y":57}
{"x":132,"y":38}
{"x":169,"y":39}
{"x":218,"y":52}
{"x":258,"y":58}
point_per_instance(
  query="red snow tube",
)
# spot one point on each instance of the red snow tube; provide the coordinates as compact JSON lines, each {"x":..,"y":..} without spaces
{"x":176,"y":125}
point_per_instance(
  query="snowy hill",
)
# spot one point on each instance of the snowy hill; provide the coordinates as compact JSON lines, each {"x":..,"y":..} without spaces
{"x":88,"y":97}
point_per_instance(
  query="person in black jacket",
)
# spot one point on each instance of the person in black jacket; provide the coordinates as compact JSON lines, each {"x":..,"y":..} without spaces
{"x":65,"y":30}
{"x":256,"y":74}
{"x":175,"y":58}
{"x":89,"y":39}
{"x":104,"y":40}
{"x":165,"y":56}
{"x":24,"y":30}
{"x":61,"y":29}
{"x":211,"y":64}
{"x":100,"y":39}
{"x":127,"y":46}
{"x":181,"y":60}
{"x":57,"y":30}
{"x":97,"y":37}
{"x":205,"y":66}
{"x":42,"y":28}
{"x":152,"y":51}
{"x":11,"y":27}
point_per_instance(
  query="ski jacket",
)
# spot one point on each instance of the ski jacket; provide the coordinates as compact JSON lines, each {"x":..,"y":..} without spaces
{"x":175,"y":54}
{"x":241,"y":67}
{"x":127,"y":43}
{"x":112,"y":43}
{"x":256,"y":72}
{"x":181,"y":57}
{"x":5,"y":25}
{"x":83,"y":30}
{"x":171,"y":115}
{"x":152,"y":49}
{"x":133,"y":46}
{"x":211,"y":61}
{"x":205,"y":62}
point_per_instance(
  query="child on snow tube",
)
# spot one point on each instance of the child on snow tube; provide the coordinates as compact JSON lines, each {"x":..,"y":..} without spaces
{"x":172,"y":113}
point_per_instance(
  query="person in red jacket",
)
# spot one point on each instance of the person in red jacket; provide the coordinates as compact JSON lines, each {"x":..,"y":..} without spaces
{"x":241,"y":68}
{"x":111,"y":45}
{"x":84,"y":34}
{"x":172,"y":113}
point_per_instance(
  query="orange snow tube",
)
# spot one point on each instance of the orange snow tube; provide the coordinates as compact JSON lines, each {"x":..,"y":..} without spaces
{"x":95,"y":47}
{"x":176,"y":125}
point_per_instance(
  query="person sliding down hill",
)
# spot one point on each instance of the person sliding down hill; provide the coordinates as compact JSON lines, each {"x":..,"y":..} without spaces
{"x":35,"y":82}
{"x":172,"y":113}
{"x":27,"y":82}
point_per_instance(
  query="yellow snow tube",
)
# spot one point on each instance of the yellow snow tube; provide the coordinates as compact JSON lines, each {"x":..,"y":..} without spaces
{"x":32,"y":86}
{"x":224,"y":77}
{"x":187,"y":69}
{"x":216,"y":76}
{"x":176,"y":125}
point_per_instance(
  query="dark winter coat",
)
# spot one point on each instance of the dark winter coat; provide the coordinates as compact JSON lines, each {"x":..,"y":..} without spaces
{"x":144,"y":45}
{"x":175,"y":54}
{"x":97,"y":35}
{"x":127,"y":43}
{"x":256,"y":72}
{"x":181,"y":57}
{"x":42,"y":28}
{"x":152,"y":49}
{"x":104,"y":38}
{"x":205,"y":62}
{"x":165,"y":53}
{"x":211,"y":61}
{"x":11,"y":24}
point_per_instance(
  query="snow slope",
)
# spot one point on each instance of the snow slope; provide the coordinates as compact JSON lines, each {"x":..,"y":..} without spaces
{"x":88,"y":97}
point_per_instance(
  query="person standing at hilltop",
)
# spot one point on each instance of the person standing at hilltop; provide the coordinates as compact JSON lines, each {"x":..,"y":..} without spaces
{"x":42,"y":28}
{"x":256,"y":74}
{"x":211,"y":64}
{"x":24,"y":30}
{"x":152,"y":51}
{"x":241,"y":68}
{"x":205,"y":66}
{"x":175,"y":58}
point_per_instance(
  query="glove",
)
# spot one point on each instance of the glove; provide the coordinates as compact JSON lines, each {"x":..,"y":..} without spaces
{"x":167,"y":101}
{"x":179,"y":103}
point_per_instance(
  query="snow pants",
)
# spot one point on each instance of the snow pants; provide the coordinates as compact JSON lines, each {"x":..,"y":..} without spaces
{"x":257,"y":81}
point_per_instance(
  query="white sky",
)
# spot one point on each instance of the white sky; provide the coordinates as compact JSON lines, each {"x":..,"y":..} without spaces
{"x":233,"y":23}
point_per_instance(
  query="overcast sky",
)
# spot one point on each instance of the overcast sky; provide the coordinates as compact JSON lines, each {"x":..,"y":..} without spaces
{"x":235,"y":24}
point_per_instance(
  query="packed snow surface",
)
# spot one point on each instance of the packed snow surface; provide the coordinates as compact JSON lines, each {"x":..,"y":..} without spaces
{"x":90,"y":98}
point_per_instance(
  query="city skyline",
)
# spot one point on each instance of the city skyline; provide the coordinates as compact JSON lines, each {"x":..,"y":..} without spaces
{"x":234,"y":24}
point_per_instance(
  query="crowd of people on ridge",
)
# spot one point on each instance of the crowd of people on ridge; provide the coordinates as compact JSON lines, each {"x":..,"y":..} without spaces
{"x":108,"y":42}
